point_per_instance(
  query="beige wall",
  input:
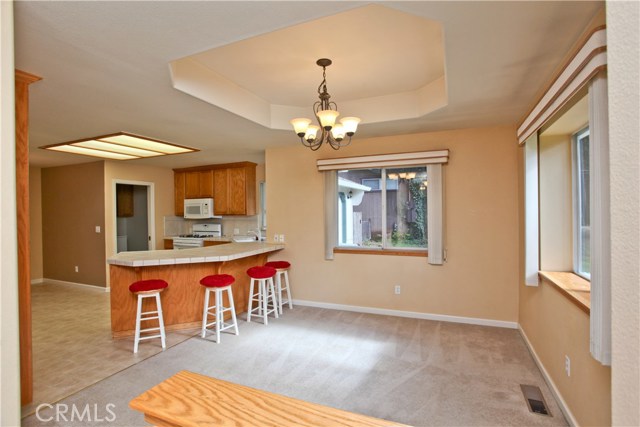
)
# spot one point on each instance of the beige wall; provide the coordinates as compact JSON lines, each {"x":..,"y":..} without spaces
{"x":556,"y":327}
{"x":481,"y":229}
{"x":35,"y":222}
{"x":624,"y":75}
{"x":556,"y":210}
{"x":162,"y":178}
{"x":72,"y":206}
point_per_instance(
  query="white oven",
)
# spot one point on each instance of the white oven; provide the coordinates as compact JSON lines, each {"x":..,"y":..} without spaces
{"x":196,"y":238}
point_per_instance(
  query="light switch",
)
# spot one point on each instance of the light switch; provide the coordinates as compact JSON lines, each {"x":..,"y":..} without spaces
{"x":97,"y":228}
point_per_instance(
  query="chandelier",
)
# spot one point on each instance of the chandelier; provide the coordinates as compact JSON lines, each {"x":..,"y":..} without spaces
{"x":326,"y":114}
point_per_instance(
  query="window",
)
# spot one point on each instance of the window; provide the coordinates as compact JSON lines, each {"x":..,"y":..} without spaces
{"x":379,"y":213}
{"x":581,"y":217}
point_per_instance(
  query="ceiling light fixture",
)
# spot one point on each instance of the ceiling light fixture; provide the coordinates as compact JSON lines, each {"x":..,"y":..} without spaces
{"x":120,"y":146}
{"x":326,"y":114}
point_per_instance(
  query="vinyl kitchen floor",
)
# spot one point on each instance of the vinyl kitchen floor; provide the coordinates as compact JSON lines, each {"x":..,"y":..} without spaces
{"x":72,"y":344}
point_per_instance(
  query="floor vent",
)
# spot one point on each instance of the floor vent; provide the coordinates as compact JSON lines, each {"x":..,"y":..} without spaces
{"x":535,"y":400}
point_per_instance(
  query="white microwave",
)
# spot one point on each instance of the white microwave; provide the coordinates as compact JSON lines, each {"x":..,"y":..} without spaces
{"x":198,"y":208}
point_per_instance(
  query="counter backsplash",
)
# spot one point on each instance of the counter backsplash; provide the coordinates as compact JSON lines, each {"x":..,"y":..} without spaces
{"x":176,"y":225}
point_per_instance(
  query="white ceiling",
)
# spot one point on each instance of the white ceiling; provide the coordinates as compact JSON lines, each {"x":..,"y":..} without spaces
{"x":105,"y":67}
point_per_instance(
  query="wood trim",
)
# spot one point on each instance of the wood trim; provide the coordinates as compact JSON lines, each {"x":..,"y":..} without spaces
{"x":395,"y":252}
{"x":22,"y":82}
{"x":216,"y":166}
{"x":575,"y":288}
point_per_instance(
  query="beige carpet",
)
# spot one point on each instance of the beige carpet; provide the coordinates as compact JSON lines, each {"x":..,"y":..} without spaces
{"x":72,"y":345}
{"x":412,"y":371}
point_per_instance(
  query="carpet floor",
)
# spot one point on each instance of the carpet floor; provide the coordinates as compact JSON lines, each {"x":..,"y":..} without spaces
{"x":417,"y":372}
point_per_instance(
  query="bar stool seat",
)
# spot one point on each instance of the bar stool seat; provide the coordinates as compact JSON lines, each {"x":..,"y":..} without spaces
{"x":148,"y":289}
{"x":218,"y":283}
{"x":264,"y":276}
{"x":282,"y":270}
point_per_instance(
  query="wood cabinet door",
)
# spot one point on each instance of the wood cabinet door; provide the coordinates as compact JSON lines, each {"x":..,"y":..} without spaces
{"x":168,"y":243}
{"x":220,"y":191}
{"x":191,"y":185}
{"x":124,"y":200}
{"x":205,"y":183}
{"x":237,"y":191}
{"x":178,"y":181}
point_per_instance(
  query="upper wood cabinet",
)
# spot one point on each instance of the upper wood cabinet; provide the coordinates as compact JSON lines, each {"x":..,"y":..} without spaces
{"x":124,"y":200}
{"x":232,"y":186}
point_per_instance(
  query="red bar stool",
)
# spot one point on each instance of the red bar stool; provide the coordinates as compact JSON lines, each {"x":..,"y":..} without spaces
{"x":264,"y":277}
{"x":218,"y":283}
{"x":282,"y":268}
{"x":148,"y":289}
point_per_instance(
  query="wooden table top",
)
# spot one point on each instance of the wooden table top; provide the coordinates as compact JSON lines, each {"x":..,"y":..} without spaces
{"x":189,"y":399}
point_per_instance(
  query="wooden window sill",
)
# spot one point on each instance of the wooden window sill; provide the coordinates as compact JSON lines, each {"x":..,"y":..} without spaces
{"x":574,"y":287}
{"x":396,"y":252}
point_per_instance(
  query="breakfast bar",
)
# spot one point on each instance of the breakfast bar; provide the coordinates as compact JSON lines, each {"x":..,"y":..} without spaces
{"x":183,"y":299}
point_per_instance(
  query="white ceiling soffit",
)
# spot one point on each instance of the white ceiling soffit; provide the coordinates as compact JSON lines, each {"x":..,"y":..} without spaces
{"x":272,"y":78}
{"x":104,"y":68}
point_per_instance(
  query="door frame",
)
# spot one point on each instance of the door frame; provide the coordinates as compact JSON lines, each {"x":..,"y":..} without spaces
{"x":151,"y":214}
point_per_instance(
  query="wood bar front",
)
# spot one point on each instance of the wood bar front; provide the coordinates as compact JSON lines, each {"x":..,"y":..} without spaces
{"x":183,"y":300}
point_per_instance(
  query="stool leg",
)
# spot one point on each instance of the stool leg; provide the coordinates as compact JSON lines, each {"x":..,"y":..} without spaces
{"x":161,"y":321}
{"x":273,"y":296}
{"x":205,"y":313}
{"x":233,"y":311}
{"x":138,"y":315}
{"x":263,"y":301}
{"x":279,"y":289}
{"x":218,"y":314}
{"x":286,"y":280}
{"x":250,"y":300}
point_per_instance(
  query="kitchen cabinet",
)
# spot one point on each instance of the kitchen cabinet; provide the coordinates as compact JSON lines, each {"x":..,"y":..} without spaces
{"x":232,"y":186}
{"x":124,"y":200}
{"x":168,"y":243}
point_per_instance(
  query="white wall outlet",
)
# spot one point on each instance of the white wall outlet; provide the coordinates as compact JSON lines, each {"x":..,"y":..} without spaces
{"x":567,"y":365}
{"x":275,"y":238}
{"x":236,"y":231}
{"x":76,"y":268}
{"x":396,"y":289}
{"x":97,"y":229}
{"x":281,"y":238}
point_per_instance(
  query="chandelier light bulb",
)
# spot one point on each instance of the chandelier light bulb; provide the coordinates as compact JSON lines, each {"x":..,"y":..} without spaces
{"x":393,"y":176}
{"x":300,"y":126}
{"x":411,"y":175}
{"x":338,"y":132}
{"x":327,"y":118}
{"x":350,"y":125}
{"x":311,"y":133}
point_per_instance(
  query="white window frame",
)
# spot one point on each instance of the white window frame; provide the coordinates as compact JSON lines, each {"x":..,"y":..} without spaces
{"x":577,"y":202}
{"x":383,"y":189}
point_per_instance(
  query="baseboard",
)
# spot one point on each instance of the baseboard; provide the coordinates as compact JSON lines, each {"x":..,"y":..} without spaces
{"x":84,"y":285}
{"x":552,"y":385}
{"x":37,"y":281}
{"x":410,"y":314}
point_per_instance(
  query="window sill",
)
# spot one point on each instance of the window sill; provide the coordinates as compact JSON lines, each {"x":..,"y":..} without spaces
{"x":574,"y":287}
{"x":396,"y":252}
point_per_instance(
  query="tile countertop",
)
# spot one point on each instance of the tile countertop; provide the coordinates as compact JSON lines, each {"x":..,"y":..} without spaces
{"x":208,"y":239}
{"x":216,"y":253}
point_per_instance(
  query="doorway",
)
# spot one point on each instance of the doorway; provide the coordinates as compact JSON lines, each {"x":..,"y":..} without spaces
{"x":134,"y":216}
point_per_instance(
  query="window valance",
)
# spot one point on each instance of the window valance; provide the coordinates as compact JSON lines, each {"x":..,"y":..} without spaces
{"x":586,"y":64}
{"x":385,"y":160}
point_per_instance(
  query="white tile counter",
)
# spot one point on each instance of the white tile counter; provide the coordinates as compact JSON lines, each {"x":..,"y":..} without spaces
{"x":218,"y":253}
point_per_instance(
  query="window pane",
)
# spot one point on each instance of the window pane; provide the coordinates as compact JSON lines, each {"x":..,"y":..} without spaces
{"x":407,"y":207}
{"x":360,"y":208}
{"x":584,"y":219}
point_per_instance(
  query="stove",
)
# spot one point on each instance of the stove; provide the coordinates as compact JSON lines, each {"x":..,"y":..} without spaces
{"x":197,"y":236}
